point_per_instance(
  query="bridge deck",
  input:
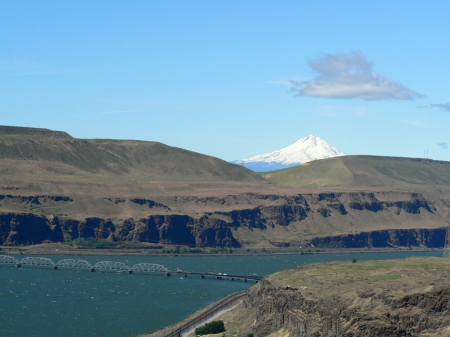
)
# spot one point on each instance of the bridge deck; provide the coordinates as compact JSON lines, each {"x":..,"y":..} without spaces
{"x":224,"y":276}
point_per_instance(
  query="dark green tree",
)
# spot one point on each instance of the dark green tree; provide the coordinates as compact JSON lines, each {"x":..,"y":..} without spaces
{"x":210,"y":328}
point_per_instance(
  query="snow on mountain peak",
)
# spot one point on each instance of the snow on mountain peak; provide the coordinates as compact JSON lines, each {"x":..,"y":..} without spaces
{"x":302,"y":151}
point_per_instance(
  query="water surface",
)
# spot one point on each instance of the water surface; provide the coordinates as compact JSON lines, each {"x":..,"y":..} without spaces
{"x":45,"y":302}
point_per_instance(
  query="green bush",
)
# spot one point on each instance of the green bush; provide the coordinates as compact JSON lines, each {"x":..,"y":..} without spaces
{"x":210,"y":328}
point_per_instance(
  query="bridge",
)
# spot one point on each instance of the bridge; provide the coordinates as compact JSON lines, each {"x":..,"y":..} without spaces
{"x":82,"y":264}
{"x":115,"y":266}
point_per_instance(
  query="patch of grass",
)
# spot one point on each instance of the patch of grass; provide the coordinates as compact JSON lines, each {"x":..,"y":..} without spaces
{"x":315,"y":174}
{"x":363,"y":171}
{"x":324,"y":278}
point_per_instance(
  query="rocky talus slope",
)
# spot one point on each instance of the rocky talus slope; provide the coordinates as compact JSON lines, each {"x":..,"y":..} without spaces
{"x":370,"y":298}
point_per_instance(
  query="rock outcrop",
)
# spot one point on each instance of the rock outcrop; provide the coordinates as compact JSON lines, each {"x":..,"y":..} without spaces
{"x":339,"y":300}
{"x":27,"y":229}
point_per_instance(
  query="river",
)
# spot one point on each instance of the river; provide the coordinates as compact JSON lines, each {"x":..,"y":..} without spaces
{"x":56,"y":303}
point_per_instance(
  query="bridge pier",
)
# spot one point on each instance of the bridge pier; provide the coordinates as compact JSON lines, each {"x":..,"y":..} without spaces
{"x":130,"y":272}
{"x":92,"y":270}
{"x":18,"y":265}
{"x":168,"y":273}
{"x":55,"y":267}
{"x":232,"y":279}
{"x":202,"y":276}
{"x":185,"y":275}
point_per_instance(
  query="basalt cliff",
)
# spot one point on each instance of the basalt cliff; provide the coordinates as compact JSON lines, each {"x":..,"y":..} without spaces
{"x":359,"y":220}
{"x":368,"y":298}
{"x":56,"y":188}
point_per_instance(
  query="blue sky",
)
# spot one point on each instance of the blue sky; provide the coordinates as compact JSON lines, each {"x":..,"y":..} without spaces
{"x":232,"y":79}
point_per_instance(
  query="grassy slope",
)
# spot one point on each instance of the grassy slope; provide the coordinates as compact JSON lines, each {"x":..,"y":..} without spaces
{"x":162,"y":162}
{"x":39,"y":151}
{"x":346,"y":278}
{"x":44,"y":162}
{"x":351,"y":172}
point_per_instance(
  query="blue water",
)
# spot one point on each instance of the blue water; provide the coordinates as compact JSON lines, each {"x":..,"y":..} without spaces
{"x":45,"y":302}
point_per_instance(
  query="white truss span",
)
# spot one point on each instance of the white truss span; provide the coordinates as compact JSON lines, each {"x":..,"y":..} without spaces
{"x":83,"y":264}
{"x":5,"y":259}
{"x":149,"y":267}
{"x":110,"y":265}
{"x":37,"y":261}
{"x":71,"y":263}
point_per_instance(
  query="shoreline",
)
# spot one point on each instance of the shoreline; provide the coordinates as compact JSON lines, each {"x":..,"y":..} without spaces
{"x":220,"y":313}
{"x":62,"y":250}
{"x":188,"y":325}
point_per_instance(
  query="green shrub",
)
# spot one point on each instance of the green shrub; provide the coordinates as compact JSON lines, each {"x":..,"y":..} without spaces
{"x":210,"y":328}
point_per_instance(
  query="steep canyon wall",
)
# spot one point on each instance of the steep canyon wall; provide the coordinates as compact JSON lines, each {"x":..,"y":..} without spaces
{"x":318,"y":212}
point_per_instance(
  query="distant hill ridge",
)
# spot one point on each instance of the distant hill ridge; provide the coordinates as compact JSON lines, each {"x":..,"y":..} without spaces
{"x":18,"y":130}
{"x":43,"y":151}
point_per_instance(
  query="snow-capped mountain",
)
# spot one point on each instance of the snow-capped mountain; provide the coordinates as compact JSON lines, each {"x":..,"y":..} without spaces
{"x":302,"y":151}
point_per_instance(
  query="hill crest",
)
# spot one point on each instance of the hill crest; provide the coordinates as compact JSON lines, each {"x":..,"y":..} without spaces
{"x":42,"y":151}
{"x":364,"y":172}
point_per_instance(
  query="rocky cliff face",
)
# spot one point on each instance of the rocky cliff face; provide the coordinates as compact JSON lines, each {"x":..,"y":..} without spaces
{"x":308,"y":213}
{"x":387,"y":238}
{"x":368,"y":305}
{"x":27,"y":229}
{"x":367,"y":315}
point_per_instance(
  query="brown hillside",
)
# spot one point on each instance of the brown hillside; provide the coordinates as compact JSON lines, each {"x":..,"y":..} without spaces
{"x":35,"y":152}
{"x":365,"y":172}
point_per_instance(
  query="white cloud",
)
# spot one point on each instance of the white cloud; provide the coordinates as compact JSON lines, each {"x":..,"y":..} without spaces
{"x":350,"y":76}
{"x":441,"y":106}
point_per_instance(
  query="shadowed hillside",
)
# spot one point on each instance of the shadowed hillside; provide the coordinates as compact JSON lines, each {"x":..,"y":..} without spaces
{"x":352,"y":172}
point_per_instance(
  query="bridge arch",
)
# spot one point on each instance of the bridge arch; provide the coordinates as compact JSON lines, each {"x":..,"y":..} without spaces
{"x":72,"y":263}
{"x":37,"y":261}
{"x":149,"y":267}
{"x":111,"y":265}
{"x":6,"y":259}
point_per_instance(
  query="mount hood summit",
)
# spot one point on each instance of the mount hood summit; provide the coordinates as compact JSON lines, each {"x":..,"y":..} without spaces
{"x":302,"y":151}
